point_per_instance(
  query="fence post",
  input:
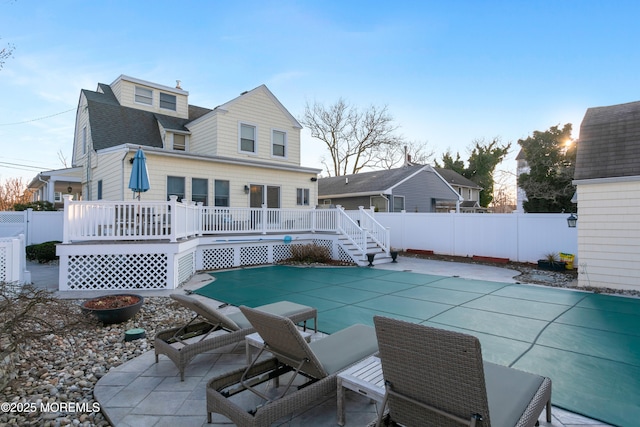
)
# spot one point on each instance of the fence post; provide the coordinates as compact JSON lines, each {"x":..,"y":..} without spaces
{"x":172,"y":220}
{"x":314,"y":213}
{"x":264,"y":219}
{"x":199,"y":222}
{"x":28,"y":216}
{"x":66,"y":224}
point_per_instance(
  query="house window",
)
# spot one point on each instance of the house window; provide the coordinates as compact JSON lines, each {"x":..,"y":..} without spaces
{"x":84,"y":140}
{"x":168,"y":102}
{"x":199,"y":189}
{"x":247,"y":138}
{"x":144,"y":95}
{"x":100,"y":190}
{"x":279,"y":143}
{"x":398,"y":203}
{"x":175,"y":187}
{"x":179,"y":142}
{"x":379,"y":203}
{"x":221,"y":193}
{"x":302,"y":197}
{"x":469,"y":198}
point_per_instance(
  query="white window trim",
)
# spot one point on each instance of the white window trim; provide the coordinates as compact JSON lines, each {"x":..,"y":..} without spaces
{"x":255,"y":142}
{"x":286,"y":143}
{"x":135,"y":95}
{"x":308,"y":198}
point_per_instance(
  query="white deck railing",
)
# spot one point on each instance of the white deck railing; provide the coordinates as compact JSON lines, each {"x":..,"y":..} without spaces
{"x":173,"y":220}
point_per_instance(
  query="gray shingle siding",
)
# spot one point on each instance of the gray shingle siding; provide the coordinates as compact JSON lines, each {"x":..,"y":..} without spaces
{"x":421,"y":192}
{"x":609,"y":144}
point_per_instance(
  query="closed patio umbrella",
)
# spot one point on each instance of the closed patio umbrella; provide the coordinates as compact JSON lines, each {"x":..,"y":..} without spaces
{"x":139,"y":181}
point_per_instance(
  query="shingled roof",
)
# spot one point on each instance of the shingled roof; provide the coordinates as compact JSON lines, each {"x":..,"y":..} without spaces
{"x":112,"y":124}
{"x":609,"y":143}
{"x":365,"y":182}
{"x":454,"y":178}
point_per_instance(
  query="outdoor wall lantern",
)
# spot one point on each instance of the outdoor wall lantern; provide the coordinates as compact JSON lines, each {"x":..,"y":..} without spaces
{"x":572,"y":221}
{"x":246,"y":189}
{"x":314,"y":179}
{"x":69,"y":190}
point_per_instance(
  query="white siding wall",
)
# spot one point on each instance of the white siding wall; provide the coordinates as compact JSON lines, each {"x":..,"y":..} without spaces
{"x":160,"y":167}
{"x":609,"y":234}
{"x":79,"y":158}
{"x":257,"y":109}
{"x":203,"y":139}
{"x":114,"y":173}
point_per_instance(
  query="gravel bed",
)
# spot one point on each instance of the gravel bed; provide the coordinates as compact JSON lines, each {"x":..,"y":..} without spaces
{"x":61,"y":369}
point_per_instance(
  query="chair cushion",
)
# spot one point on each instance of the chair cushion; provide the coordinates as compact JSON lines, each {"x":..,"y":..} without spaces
{"x":509,"y":391}
{"x":345,"y":347}
{"x":281,"y":308}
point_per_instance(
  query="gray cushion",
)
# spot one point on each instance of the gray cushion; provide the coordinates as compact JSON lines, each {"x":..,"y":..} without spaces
{"x":509,"y":391}
{"x":345,"y":347}
{"x":281,"y":308}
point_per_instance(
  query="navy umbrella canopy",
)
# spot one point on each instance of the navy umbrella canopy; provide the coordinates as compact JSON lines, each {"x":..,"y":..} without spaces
{"x":139,"y":181}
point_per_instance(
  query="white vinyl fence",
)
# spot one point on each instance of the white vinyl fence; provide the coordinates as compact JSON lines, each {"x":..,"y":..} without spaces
{"x":518,"y":237}
{"x":37,"y":226}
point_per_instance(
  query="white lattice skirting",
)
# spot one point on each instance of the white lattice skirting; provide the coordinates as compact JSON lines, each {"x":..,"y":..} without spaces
{"x":163,"y":265}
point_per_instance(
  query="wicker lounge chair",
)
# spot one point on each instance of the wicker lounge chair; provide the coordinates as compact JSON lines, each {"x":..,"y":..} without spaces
{"x":435,"y":377}
{"x":318,"y":363}
{"x":173,"y":342}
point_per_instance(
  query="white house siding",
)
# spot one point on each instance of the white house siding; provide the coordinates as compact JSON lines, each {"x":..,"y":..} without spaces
{"x":82,"y":120}
{"x":203,"y":139}
{"x":160,"y":167}
{"x":110,"y":165}
{"x":609,"y":233}
{"x":258,"y":109}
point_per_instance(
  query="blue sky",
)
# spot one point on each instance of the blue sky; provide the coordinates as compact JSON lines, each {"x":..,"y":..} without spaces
{"x":450,"y":72}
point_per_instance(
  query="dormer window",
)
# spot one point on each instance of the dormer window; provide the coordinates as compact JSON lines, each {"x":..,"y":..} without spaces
{"x":179,"y":142}
{"x":144,"y":95}
{"x":168,"y":102}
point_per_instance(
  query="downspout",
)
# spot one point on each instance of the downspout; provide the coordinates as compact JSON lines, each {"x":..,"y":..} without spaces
{"x":46,"y":185}
{"x":126,"y":153}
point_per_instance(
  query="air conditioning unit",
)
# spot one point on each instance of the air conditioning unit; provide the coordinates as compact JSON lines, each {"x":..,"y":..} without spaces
{"x":57,"y":196}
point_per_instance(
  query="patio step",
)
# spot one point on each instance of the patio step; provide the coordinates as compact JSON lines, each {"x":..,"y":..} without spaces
{"x":380,"y":257}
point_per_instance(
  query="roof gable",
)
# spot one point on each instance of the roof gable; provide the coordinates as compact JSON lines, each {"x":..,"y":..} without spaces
{"x":262,"y":88}
{"x":609,"y":143}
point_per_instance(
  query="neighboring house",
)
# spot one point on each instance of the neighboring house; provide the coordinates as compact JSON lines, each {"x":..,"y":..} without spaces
{"x":414,"y":188}
{"x":521,"y":167}
{"x":467,"y":189}
{"x":607,"y":177}
{"x":50,"y":186}
{"x":243,"y":153}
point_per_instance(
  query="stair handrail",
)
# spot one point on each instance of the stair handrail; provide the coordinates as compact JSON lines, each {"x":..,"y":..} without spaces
{"x":376,"y":231}
{"x":352,"y":231}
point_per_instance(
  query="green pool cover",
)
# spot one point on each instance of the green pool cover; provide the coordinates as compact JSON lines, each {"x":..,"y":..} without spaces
{"x":588,"y":344}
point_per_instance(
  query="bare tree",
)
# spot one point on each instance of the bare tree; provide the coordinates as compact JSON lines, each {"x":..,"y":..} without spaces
{"x":13,"y":191}
{"x":393,"y":156}
{"x":5,"y":53}
{"x":355,"y":139}
{"x":504,"y":188}
{"x":62,"y":158}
